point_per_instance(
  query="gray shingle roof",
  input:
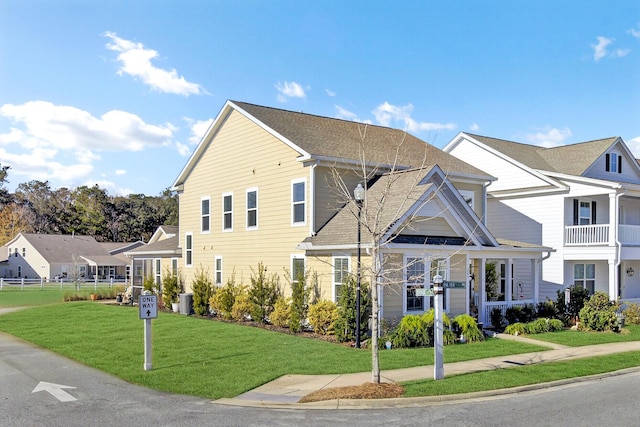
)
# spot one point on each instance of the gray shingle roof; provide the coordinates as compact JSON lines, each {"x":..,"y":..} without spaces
{"x":573,"y":159}
{"x":341,"y":139}
{"x":62,"y":248}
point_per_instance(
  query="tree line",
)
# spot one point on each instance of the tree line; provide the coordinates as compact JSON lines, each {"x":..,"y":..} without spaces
{"x":37,"y":208}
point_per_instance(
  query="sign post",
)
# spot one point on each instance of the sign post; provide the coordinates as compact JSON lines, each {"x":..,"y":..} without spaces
{"x":438,"y":335}
{"x":148,"y":306}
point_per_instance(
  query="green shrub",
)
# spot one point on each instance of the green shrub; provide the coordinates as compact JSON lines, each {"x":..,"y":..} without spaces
{"x":515,"y":329}
{"x":570,"y":312}
{"x":546,"y":309}
{"x":412,"y":331}
{"x":322,"y":316}
{"x":555,"y":325}
{"x":149,"y":284}
{"x":281,"y":313}
{"x":632,"y":314}
{"x":171,"y":287}
{"x":449,"y":337}
{"x":468,"y":328}
{"x":345,"y":327}
{"x":263,"y":292}
{"x":538,"y":326}
{"x":496,"y":318}
{"x":202,"y":291}
{"x":304,"y":291}
{"x":599,"y":313}
{"x":242,"y":306}
{"x":224,"y":297}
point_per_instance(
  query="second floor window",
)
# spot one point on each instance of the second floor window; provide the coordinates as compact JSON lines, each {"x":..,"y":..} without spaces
{"x":227,"y":212}
{"x":206,"y":215}
{"x":298,"y":195}
{"x":252,"y":208}
{"x":188,"y":250}
{"x":613,"y":163}
{"x":584,"y":212}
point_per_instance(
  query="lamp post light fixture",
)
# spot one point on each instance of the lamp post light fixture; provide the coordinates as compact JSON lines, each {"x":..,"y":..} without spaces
{"x":630,"y":271}
{"x":438,"y":335}
{"x":358,"y":195}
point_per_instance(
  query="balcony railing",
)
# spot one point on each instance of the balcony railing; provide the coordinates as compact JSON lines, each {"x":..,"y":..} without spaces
{"x":582,"y":235}
{"x":598,"y":234}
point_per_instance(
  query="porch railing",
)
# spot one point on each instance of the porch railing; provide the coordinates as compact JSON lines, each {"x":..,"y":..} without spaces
{"x":629,"y":234}
{"x":583,"y":235}
{"x":485,"y":316}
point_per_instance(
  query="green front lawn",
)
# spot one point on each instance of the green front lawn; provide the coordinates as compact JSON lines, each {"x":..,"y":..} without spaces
{"x":207,"y":358}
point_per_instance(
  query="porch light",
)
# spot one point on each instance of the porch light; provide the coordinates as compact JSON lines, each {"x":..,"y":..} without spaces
{"x":358,"y":195}
{"x":630,"y":271}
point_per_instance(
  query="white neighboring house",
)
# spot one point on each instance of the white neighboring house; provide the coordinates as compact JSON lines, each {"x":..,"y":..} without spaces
{"x":56,"y":256}
{"x":582,"y":199}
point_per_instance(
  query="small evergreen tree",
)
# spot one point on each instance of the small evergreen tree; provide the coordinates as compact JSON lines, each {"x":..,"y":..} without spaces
{"x":263,"y":293}
{"x":202,"y":291}
{"x":171,"y":287}
{"x":345,"y":327}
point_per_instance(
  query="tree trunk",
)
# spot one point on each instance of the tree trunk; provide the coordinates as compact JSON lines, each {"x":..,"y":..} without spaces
{"x":375,"y":314}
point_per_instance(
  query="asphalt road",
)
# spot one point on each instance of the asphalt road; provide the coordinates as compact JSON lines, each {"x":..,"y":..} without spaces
{"x":97,"y":399}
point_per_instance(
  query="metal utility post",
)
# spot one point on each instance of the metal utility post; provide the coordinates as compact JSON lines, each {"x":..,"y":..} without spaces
{"x":438,"y":338}
{"x":358,"y":195}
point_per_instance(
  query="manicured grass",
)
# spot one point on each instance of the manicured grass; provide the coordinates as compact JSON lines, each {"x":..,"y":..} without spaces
{"x":520,"y":376}
{"x":207,"y":358}
{"x":574,"y":338}
{"x":33,"y":294}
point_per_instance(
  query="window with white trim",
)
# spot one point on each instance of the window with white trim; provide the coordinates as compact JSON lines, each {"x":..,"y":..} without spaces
{"x":158,"y":271}
{"x":174,"y":267}
{"x":298,"y":202}
{"x":252,"y":208}
{"x":340,"y":274}
{"x":414,"y":279}
{"x":227,"y":212}
{"x":218,"y":271}
{"x":205,"y":214}
{"x":297,"y":268}
{"x":613,"y":163}
{"x":468,"y":197}
{"x":188,"y":249}
{"x":584,"y":276}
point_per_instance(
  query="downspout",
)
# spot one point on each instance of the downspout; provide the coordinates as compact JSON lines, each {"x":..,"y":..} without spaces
{"x":312,"y":198}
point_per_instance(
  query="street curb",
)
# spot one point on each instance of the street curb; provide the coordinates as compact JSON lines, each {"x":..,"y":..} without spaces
{"x":412,"y":402}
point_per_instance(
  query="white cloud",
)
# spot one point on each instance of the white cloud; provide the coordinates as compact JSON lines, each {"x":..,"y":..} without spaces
{"x":343,"y":113}
{"x":198,"y":129}
{"x":57,"y":142}
{"x":474,"y":127}
{"x":330,"y":92}
{"x":600,"y":49}
{"x":549,"y":137}
{"x":634,"y":146}
{"x":120,"y":172}
{"x":635,"y":32}
{"x":136,"y":61}
{"x":394,"y":116}
{"x":290,"y":90}
{"x":183,"y":149}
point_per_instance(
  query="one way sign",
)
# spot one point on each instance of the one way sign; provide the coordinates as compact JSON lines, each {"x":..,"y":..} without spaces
{"x":148,"y":305}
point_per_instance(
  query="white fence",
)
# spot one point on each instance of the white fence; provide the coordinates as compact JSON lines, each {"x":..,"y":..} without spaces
{"x":63,"y":284}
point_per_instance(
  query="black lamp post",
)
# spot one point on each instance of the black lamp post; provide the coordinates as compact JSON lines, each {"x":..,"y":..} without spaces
{"x":358,"y":195}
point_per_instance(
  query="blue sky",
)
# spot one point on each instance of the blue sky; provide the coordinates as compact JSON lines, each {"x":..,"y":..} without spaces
{"x":118,"y":93}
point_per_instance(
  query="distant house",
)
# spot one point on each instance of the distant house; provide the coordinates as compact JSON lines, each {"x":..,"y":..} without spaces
{"x":259,"y":188}
{"x":581,"y":199}
{"x":66,"y":257}
{"x":160,"y":254}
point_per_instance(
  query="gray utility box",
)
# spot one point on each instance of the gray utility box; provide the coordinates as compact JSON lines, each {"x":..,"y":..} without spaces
{"x":186,"y":303}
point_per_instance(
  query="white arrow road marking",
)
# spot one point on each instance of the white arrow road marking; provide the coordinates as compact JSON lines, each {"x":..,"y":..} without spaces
{"x":56,"y":390}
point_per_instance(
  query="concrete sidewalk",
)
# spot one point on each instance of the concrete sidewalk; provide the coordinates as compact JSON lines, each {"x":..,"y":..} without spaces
{"x":285,"y":391}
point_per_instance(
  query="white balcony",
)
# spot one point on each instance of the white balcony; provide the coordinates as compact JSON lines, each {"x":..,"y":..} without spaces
{"x":598,"y":234}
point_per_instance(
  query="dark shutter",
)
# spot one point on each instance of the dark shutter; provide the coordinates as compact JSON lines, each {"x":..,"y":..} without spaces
{"x":619,"y":164}
{"x":606,"y":165}
{"x":576,"y":207}
{"x":593,"y":212}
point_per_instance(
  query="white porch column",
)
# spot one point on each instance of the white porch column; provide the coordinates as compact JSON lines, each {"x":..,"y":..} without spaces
{"x":535,"y":268}
{"x":613,"y":280}
{"x":467,"y":288}
{"x":613,"y":219}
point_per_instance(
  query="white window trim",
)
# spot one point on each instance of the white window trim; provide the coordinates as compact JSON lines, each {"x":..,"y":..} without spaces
{"x":187,"y":250}
{"x":297,"y":256}
{"x":216,"y":271}
{"x":249,"y":190}
{"x":468,"y":195}
{"x":227,"y":194}
{"x":426,"y":259}
{"x":589,"y":216}
{"x":333,"y":273}
{"x":304,"y":222}
{"x":202,"y":215}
